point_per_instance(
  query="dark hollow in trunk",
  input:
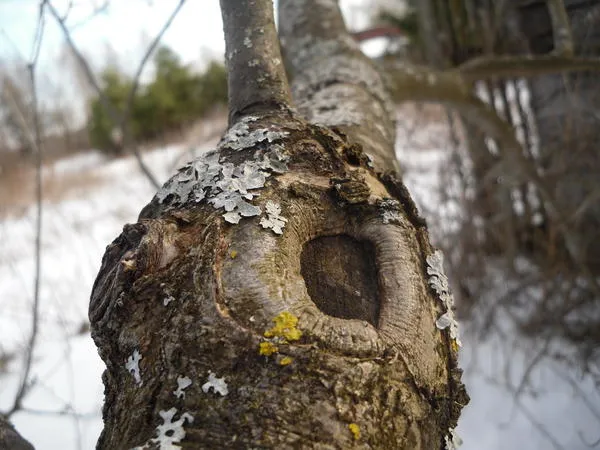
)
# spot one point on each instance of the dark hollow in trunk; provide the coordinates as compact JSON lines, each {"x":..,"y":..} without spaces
{"x":341,"y":277}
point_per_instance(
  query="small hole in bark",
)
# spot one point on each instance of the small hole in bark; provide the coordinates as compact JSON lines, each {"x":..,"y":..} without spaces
{"x":341,"y":277}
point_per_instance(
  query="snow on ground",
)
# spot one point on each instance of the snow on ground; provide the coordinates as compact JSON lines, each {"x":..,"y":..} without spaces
{"x":63,"y":409}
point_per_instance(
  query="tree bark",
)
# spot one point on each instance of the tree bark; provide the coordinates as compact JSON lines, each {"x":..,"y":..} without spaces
{"x":281,"y":291}
{"x":10,"y":439}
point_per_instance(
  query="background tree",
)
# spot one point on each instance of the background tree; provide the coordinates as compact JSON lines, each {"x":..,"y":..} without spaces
{"x":175,"y":97}
{"x":224,"y":329}
{"x":519,"y":78}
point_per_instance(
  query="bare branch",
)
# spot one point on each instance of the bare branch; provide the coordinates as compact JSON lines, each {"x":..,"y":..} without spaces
{"x":416,"y":83}
{"x":98,"y":9}
{"x":334,"y":83}
{"x":37,"y":147}
{"x":561,"y":28}
{"x":118,"y":119}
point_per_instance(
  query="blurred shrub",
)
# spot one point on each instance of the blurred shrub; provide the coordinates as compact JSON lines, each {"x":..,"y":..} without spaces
{"x":115,"y":89}
{"x":175,"y":98}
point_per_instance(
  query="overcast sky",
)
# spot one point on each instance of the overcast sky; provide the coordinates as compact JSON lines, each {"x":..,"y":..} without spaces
{"x":126,"y":27}
{"x":124,"y":31}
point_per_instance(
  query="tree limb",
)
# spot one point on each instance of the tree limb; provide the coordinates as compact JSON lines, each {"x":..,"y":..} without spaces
{"x":334,"y":83}
{"x":415,"y":83}
{"x":257,"y":79}
{"x":523,"y":66}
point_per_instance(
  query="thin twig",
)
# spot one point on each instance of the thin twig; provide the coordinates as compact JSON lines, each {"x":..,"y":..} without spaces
{"x":541,"y":428}
{"x":98,"y":9}
{"x":24,"y":385}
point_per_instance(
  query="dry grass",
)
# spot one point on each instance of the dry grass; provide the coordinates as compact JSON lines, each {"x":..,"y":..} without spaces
{"x":17,"y":187}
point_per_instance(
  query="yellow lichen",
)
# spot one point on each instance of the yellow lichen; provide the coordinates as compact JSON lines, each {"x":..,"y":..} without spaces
{"x":454,"y":345}
{"x":285,"y":330}
{"x":267,"y":348}
{"x":285,"y":327}
{"x":285,"y":361}
{"x":355,"y":430}
{"x":233,"y":254}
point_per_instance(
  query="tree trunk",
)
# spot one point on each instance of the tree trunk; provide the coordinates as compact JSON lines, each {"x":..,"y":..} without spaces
{"x":10,"y":439}
{"x":281,"y":291}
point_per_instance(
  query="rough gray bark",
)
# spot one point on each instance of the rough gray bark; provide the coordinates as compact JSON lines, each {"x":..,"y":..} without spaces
{"x":10,"y":439}
{"x":303,"y":317}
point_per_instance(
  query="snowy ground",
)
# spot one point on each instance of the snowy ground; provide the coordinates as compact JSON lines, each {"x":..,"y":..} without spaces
{"x":555,"y":410}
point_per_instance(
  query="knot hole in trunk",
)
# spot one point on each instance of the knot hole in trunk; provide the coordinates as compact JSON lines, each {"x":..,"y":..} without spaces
{"x":340,"y":274}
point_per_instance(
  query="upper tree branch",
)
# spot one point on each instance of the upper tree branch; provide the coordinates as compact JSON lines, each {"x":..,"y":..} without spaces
{"x":256,"y":76}
{"x":334,"y":83}
{"x":524,"y":66}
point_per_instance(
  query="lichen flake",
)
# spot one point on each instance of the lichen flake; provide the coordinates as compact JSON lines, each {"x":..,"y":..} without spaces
{"x":439,"y":283}
{"x":182,"y":384}
{"x":218,"y":385}
{"x":133,"y":366}
{"x":274,"y":220}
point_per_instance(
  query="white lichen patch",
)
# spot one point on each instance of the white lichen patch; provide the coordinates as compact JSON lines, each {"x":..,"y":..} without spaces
{"x":218,"y":385}
{"x":182,"y":384}
{"x":241,"y":138}
{"x":452,"y":440}
{"x":170,"y":433}
{"x":274,"y":220}
{"x":247,"y":42}
{"x":232,"y":190}
{"x":439,"y":282}
{"x":133,"y":366}
{"x":223,"y":184}
{"x":193,"y":179}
